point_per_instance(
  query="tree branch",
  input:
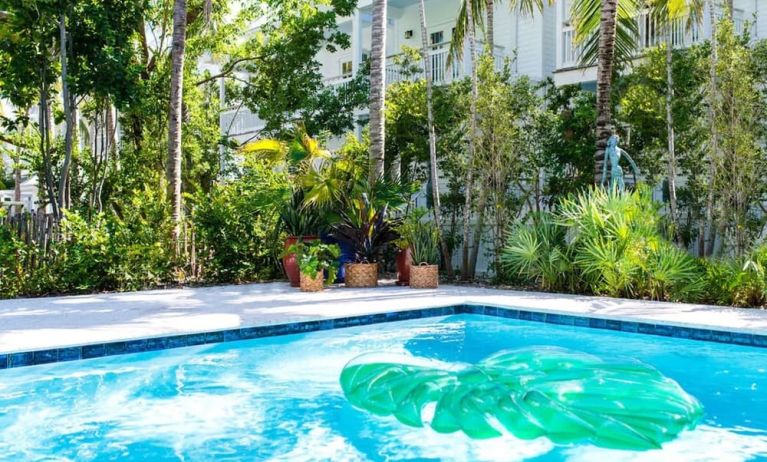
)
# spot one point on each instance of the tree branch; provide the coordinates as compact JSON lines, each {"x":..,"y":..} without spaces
{"x":229,"y":68}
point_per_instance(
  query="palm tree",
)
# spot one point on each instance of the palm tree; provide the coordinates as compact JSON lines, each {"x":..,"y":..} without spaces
{"x":377,"y":90}
{"x":178,"y":48}
{"x":436,"y":206}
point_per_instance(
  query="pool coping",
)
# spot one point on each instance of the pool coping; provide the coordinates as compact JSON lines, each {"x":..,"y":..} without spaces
{"x":27,"y":358}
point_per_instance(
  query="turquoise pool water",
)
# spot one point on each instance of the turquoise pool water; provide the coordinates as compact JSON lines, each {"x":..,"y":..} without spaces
{"x":279,"y":399}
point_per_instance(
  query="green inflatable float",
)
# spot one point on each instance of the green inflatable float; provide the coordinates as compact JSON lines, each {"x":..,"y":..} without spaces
{"x":563,"y":395}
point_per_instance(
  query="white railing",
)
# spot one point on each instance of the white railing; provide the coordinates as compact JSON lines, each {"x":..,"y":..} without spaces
{"x":442,"y":73}
{"x":651,"y":34}
{"x":239,"y":121}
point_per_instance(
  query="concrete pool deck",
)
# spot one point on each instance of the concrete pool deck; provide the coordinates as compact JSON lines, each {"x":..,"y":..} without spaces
{"x":44,"y":323}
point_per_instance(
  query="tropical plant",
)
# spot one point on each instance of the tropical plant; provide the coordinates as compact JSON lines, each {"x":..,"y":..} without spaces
{"x":366,"y":227}
{"x":299,"y":220}
{"x":421,"y":236}
{"x":739,"y":281}
{"x":537,"y":252}
{"x":301,"y":157}
{"x":315,"y":257}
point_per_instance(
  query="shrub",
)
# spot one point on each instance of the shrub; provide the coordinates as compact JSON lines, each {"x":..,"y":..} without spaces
{"x":740,"y":281}
{"x":605,"y":243}
{"x":537,"y":253}
{"x":238,"y":227}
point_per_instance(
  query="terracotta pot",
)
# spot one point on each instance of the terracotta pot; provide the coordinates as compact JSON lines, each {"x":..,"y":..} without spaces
{"x":289,"y":261}
{"x":424,"y":276}
{"x":316,"y":284}
{"x":361,"y":275}
{"x":404,"y":260}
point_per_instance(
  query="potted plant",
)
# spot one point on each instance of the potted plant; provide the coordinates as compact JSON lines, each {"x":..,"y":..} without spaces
{"x":367,"y":229}
{"x":424,"y":244}
{"x":314,"y":260}
{"x":405,"y":251}
{"x":301,"y":225}
{"x":297,"y":155}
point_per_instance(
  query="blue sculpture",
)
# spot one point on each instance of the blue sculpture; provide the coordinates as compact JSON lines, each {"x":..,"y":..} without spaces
{"x":613,"y":155}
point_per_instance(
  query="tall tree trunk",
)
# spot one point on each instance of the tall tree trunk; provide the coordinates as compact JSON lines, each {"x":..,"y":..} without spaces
{"x":378,"y":90}
{"x":68,"y":101}
{"x":670,"y":131}
{"x":175,"y":115}
{"x":479,"y":229}
{"x":490,"y":28}
{"x":606,"y":61}
{"x":472,"y":139}
{"x":435,"y":199}
{"x":17,"y":178}
{"x":45,"y":135}
{"x":714,"y":145}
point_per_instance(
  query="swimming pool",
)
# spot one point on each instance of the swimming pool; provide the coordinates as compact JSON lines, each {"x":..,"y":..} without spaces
{"x":279,"y":398}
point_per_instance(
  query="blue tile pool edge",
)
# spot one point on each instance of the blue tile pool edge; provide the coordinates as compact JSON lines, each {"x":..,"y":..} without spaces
{"x":73,"y":353}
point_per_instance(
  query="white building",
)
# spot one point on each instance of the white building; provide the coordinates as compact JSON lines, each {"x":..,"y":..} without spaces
{"x":542,"y":45}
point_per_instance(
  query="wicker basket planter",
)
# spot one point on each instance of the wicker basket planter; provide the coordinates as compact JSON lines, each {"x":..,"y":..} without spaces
{"x":312,"y":285}
{"x":361,"y":275}
{"x":424,"y":276}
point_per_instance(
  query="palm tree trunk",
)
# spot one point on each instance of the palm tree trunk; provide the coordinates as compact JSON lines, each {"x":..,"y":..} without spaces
{"x":714,"y":146}
{"x":606,"y":58}
{"x":178,"y":49}
{"x":670,"y":131}
{"x":490,"y":28}
{"x":435,"y":200}
{"x":472,"y":139}
{"x":378,"y":91}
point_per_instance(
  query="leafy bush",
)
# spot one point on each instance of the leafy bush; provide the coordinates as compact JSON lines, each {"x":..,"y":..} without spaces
{"x":740,"y":281}
{"x":605,"y":243}
{"x":537,"y":253}
{"x":238,"y":226}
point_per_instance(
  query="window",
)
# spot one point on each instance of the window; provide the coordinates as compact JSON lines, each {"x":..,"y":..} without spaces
{"x":347,"y":69}
{"x":437,"y":37}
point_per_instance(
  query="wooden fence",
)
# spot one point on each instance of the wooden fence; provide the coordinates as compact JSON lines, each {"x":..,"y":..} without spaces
{"x":38,"y":229}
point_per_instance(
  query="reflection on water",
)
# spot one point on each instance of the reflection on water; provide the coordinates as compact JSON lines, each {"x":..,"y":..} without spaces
{"x":279,"y":399}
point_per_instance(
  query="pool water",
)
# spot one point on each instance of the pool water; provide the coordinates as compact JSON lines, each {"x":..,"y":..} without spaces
{"x":279,"y":399}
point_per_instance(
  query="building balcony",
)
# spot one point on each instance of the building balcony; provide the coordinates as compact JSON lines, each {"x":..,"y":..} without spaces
{"x":651,"y":34}
{"x":398,"y":70}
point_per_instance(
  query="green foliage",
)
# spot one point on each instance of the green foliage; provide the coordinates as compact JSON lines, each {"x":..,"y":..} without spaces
{"x":537,"y":252}
{"x":315,"y":257}
{"x":238,"y":226}
{"x":365,"y":226}
{"x":422,"y":236}
{"x":740,"y":281}
{"x":605,"y":243}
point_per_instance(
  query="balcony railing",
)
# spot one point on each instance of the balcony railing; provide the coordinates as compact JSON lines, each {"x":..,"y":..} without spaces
{"x":441,"y":73}
{"x":651,"y":34}
{"x":239,"y":121}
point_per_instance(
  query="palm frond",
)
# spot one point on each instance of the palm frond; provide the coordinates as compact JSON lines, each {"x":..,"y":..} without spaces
{"x":587,"y":16}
